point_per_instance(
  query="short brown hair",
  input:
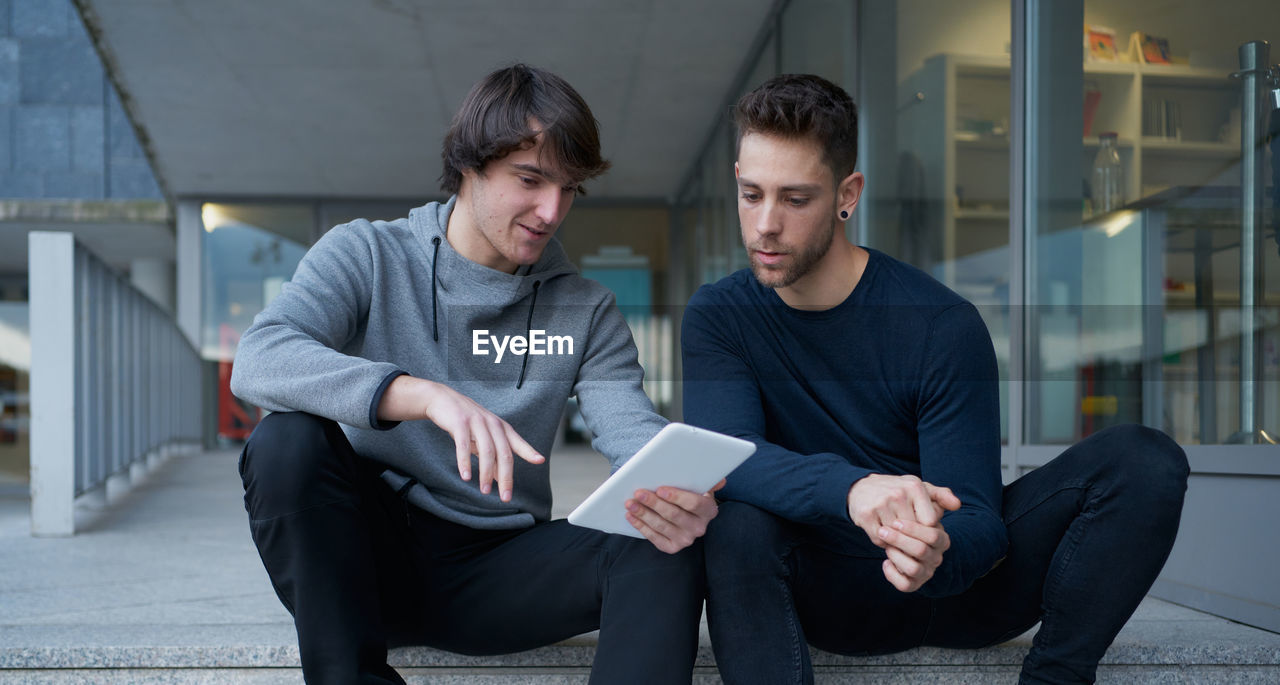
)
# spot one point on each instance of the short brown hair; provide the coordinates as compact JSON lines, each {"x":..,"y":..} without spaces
{"x":495,"y":119}
{"x":804,"y":106}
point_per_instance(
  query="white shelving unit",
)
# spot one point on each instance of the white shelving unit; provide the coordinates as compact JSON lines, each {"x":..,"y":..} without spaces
{"x":958,"y":134}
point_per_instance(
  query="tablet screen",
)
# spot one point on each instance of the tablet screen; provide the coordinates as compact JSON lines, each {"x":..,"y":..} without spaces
{"x":679,"y":456}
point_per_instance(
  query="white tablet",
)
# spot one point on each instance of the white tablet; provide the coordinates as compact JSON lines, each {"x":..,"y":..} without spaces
{"x":679,"y":456}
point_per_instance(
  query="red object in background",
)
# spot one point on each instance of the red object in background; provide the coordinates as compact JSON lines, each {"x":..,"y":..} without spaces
{"x":234,"y":419}
{"x":1091,"y":100}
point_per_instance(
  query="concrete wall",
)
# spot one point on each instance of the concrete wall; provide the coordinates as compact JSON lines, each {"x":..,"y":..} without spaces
{"x":63,"y":132}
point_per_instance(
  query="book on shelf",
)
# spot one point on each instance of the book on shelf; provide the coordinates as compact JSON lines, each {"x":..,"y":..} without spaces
{"x":1161,"y":119}
{"x":1100,"y":44}
{"x":1149,"y":49}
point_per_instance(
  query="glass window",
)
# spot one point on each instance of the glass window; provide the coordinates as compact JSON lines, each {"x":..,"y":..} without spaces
{"x":250,"y":250}
{"x":815,"y":39}
{"x":626,"y":249}
{"x":685,"y":250}
{"x":1142,"y":257}
{"x":15,"y":392}
{"x":729,"y":235}
{"x":719,"y":219}
{"x":765,"y":68}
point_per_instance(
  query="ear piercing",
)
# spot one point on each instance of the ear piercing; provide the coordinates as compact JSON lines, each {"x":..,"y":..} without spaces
{"x":844,"y":215}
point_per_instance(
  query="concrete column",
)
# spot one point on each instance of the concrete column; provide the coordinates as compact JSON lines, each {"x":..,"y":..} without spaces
{"x":154,"y":277}
{"x":190,"y":229}
{"x":53,"y":383}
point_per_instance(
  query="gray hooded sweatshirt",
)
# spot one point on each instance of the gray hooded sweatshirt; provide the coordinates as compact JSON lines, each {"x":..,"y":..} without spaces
{"x":374,"y":300}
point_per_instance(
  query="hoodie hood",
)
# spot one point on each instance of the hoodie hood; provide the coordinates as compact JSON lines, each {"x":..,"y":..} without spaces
{"x":457,"y":274}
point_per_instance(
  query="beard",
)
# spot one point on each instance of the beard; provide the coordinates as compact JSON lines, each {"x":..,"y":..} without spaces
{"x":801,"y":261}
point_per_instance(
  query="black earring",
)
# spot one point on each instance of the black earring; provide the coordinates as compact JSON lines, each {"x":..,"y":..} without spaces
{"x":844,"y":215}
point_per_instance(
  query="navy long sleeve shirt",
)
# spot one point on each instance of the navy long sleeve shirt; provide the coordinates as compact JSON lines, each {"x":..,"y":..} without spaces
{"x":900,"y":378}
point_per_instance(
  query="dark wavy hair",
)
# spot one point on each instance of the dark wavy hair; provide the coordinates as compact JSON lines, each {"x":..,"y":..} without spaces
{"x":499,"y":114}
{"x":804,"y":106}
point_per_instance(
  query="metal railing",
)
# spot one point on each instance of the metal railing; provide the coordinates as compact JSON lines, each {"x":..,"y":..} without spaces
{"x":115,"y":385}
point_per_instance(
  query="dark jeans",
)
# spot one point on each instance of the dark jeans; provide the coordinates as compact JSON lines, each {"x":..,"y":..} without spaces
{"x":1088,"y":534}
{"x":360,"y":570}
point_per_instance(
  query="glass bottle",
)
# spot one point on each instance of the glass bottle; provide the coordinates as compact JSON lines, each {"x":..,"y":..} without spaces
{"x":1108,"y":175}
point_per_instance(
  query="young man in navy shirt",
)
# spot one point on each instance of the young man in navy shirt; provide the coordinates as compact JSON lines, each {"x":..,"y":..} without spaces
{"x":872,"y":518}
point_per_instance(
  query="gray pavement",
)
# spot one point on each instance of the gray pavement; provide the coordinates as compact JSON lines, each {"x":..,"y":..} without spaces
{"x":173,"y":551}
{"x":170,"y":565}
{"x":168,"y":577}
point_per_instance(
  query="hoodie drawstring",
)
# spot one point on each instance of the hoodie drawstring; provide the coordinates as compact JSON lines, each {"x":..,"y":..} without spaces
{"x":435,"y":260}
{"x":528,"y":326}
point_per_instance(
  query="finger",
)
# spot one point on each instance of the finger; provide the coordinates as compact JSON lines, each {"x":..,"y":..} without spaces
{"x":687,"y":511}
{"x":645,"y":507}
{"x":664,"y":506}
{"x":502,"y":453}
{"x":522,"y":447}
{"x":896,"y":503}
{"x":911,"y":546}
{"x":895,"y":577}
{"x":462,"y":444}
{"x":659,"y":540}
{"x":884,"y":515}
{"x":717,"y":486}
{"x":943,"y":496}
{"x":911,"y":568}
{"x":698,"y":504}
{"x":929,"y":536}
{"x":484,"y":451}
{"x":681,"y":528}
{"x":900,"y":507}
{"x":922,"y":505}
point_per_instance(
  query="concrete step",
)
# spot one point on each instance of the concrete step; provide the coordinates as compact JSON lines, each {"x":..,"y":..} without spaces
{"x":1164,"y":643}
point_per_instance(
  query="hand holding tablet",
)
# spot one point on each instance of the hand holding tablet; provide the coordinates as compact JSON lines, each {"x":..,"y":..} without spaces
{"x":679,"y":456}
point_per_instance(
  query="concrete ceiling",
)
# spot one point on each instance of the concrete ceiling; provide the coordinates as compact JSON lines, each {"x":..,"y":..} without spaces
{"x":350,"y":98}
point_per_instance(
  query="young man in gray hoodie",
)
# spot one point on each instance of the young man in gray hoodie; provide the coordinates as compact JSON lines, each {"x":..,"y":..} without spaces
{"x":415,"y":364}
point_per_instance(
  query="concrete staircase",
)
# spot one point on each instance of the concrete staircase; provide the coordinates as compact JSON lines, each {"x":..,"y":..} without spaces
{"x":165,"y":587}
{"x":1163,"y":644}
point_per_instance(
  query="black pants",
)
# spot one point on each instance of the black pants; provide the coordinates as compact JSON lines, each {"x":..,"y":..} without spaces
{"x":1088,"y":534}
{"x":361,"y":570}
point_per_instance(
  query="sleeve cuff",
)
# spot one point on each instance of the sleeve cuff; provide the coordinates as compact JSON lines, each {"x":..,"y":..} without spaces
{"x":833,"y":491}
{"x":374,"y":422}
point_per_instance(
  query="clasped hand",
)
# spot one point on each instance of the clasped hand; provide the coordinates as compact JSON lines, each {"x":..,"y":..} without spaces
{"x":903,"y":516}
